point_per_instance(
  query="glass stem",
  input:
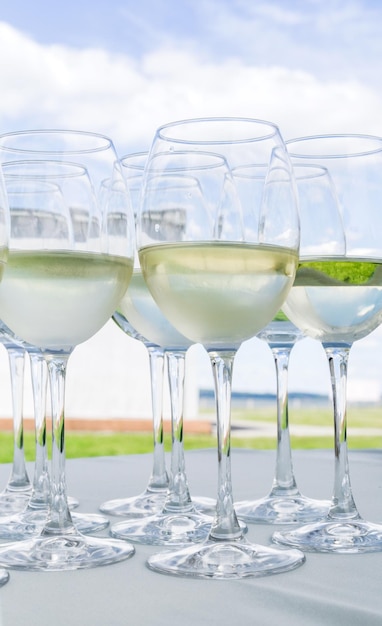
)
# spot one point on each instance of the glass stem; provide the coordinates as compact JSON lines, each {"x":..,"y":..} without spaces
{"x":159,"y":478}
{"x":343,"y":505}
{"x":18,"y":480}
{"x":59,"y":519}
{"x":178,"y":498}
{"x":225,"y":525}
{"x":284,"y":482}
{"x":41,"y":481}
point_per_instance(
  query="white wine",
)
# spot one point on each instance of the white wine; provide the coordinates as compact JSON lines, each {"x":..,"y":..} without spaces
{"x":336,"y":301}
{"x":56,"y":300}
{"x":218,"y":293}
{"x":3,"y":259}
{"x":141,"y":311}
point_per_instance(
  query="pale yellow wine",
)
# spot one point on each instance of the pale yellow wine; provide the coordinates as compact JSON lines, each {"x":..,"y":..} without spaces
{"x":218,"y":293}
{"x":56,"y":300}
{"x":142,"y":312}
{"x":336,"y":300}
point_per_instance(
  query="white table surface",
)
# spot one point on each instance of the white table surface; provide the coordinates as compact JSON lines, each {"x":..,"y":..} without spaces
{"x":327,"y":590}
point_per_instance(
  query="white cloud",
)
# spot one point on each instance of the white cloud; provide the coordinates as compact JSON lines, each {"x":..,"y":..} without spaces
{"x":113,"y":93}
{"x":329,"y":38}
{"x":279,"y":14}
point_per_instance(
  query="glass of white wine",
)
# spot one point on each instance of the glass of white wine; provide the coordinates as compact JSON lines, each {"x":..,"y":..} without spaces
{"x":178,"y":521}
{"x":220,"y":278}
{"x":22,"y":199}
{"x":4,"y":243}
{"x":337,"y":299}
{"x":284,"y":504}
{"x":151,"y":500}
{"x":140,"y":317}
{"x":72,"y":284}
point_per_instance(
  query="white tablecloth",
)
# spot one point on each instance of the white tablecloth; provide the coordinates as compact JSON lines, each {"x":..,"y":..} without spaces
{"x":331,"y":590}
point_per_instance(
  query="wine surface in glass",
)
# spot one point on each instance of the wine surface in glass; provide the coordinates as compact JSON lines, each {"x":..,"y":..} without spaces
{"x":58,"y":299}
{"x":218,"y":293}
{"x":143,"y":313}
{"x":336,"y":301}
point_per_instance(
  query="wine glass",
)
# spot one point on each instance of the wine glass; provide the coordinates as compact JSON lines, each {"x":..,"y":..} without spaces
{"x":72,"y":284}
{"x":337,"y":299}
{"x":220,"y":276}
{"x":139,"y":317}
{"x":4,"y":242}
{"x":178,"y":522}
{"x":152,"y":498}
{"x":18,"y":488}
{"x":284,"y":504}
{"x":30,"y":519}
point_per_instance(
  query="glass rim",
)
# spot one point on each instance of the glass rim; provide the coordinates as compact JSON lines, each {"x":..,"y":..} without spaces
{"x":105,"y":142}
{"x":337,"y":137}
{"x":72,"y":170}
{"x":133,"y":155}
{"x":215,"y":161}
{"x":202,"y":120}
{"x":313,"y":171}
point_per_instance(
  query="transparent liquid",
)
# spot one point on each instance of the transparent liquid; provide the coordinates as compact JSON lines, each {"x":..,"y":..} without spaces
{"x":142,"y":312}
{"x":218,"y":293}
{"x":3,"y":260}
{"x":56,"y":300}
{"x":336,"y":301}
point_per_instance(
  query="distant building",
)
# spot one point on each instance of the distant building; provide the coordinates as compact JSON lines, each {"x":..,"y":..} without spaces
{"x":247,"y":400}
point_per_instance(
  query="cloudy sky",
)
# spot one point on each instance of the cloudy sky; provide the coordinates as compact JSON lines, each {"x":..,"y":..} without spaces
{"x":123,"y":68}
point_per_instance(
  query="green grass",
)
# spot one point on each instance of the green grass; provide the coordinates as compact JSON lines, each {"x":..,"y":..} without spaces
{"x":92,"y":444}
{"x":358,"y":417}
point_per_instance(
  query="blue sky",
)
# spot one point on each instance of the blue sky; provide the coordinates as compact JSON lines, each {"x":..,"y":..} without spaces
{"x":125,"y":67}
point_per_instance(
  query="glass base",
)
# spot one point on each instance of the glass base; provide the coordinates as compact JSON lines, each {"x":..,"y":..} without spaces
{"x":13,"y":502}
{"x":282,"y":509}
{"x":226,"y":559}
{"x":30,"y":523}
{"x":204,"y":505}
{"x":22,"y":526}
{"x":341,"y":536}
{"x":88,"y":523}
{"x":174,"y":529}
{"x":143,"y":505}
{"x":73,"y":503}
{"x":4,"y":576}
{"x":65,"y":552}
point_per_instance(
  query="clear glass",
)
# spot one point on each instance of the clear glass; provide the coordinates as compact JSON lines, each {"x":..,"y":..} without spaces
{"x":337,"y":299}
{"x":26,"y":507}
{"x":177,"y":521}
{"x":30,"y":508}
{"x":215,"y":256}
{"x":151,"y":500}
{"x":77,"y":248}
{"x":17,"y":491}
{"x":284,"y":504}
{"x":28,"y":521}
{"x":4,"y":243}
